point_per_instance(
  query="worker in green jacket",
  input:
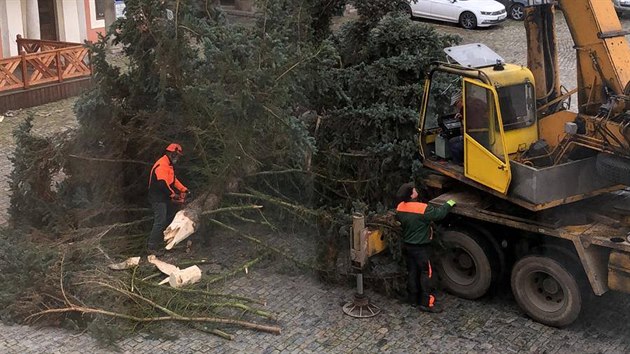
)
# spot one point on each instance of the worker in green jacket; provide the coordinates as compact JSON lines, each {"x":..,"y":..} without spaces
{"x":415,"y":218}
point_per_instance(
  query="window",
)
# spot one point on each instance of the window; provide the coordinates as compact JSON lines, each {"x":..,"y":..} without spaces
{"x":99,"y":8}
{"x":518,"y":109}
{"x":444,"y":87}
{"x":481,"y":120}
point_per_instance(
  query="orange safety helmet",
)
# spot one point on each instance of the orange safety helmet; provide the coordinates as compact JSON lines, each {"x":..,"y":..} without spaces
{"x":175,"y":148}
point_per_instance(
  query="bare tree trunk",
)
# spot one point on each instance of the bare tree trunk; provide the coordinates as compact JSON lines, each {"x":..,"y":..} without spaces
{"x":110,"y":17}
{"x":110,"y":13}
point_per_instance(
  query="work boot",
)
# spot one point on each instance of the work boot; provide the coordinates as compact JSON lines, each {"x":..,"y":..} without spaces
{"x":439,"y":295}
{"x":432,"y":309}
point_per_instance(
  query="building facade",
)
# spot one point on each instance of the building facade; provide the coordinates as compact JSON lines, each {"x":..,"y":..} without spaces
{"x":60,"y":20}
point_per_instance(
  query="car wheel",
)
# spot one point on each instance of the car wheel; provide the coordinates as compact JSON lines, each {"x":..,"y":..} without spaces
{"x":468,"y":20}
{"x":546,"y":290}
{"x":405,"y":8}
{"x":517,"y":12}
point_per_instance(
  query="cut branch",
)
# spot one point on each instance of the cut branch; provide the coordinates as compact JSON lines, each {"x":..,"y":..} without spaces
{"x":172,"y":315}
{"x":206,"y":293}
{"x":216,"y":332}
{"x":109,"y":160}
{"x":89,"y":310}
{"x":231,"y":209}
{"x":244,"y":267}
{"x":282,"y":203}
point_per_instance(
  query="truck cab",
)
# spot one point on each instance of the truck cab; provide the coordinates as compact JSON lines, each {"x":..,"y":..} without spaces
{"x":504,"y":148}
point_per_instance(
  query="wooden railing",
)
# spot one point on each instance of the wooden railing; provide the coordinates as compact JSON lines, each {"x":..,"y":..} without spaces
{"x":42,"y":62}
{"x":40,"y":45}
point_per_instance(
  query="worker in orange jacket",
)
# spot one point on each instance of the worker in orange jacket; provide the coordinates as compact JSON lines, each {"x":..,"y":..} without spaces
{"x":164,"y":191}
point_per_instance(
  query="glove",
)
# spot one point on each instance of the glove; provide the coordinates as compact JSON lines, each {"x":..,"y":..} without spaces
{"x":451,"y":202}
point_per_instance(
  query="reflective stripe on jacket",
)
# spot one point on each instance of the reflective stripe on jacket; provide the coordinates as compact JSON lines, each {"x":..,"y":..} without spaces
{"x":162,"y":180}
{"x":415,"y":219}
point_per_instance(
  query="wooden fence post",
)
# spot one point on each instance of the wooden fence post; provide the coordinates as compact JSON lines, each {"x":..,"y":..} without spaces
{"x":18,"y":40}
{"x":58,"y":59}
{"x":25,"y":77}
{"x":90,"y":67}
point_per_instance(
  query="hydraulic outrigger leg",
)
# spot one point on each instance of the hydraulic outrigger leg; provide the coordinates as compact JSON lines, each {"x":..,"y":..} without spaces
{"x":360,"y":306}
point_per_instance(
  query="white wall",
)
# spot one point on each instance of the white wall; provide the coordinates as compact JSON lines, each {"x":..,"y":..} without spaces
{"x":4,"y":31}
{"x":11,"y":25}
{"x":71,"y":22}
{"x":23,"y":11}
{"x":70,"y":26}
{"x":82,"y":20}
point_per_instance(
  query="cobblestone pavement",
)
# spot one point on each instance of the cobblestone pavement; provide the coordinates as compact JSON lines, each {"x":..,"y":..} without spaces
{"x":309,"y":312}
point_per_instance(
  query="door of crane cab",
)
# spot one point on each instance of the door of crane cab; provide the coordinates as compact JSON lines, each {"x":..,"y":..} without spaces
{"x":476,"y":140}
{"x":485,"y":155}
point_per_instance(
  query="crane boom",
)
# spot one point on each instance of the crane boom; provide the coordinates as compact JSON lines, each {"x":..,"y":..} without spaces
{"x":602,"y":51}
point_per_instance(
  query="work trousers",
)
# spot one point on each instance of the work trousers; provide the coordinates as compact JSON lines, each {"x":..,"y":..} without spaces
{"x":420,"y":272}
{"x":163,"y":215}
{"x":456,"y":147}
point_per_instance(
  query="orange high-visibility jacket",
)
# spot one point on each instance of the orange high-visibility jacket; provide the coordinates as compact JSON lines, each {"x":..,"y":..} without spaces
{"x":415,"y":219}
{"x":162,"y":180}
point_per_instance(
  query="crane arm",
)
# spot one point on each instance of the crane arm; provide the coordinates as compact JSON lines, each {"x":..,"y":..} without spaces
{"x":602,"y":51}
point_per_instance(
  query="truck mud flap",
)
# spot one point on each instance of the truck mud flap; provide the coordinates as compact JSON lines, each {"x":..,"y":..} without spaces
{"x":619,"y":271}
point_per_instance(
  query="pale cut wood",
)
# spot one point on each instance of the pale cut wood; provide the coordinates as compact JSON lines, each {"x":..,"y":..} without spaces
{"x":181,"y":227}
{"x":164,"y":267}
{"x":126,"y":264}
{"x":184,"y":277}
{"x":176,"y":277}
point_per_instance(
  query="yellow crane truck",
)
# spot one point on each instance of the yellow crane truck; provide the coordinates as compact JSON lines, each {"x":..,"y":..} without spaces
{"x":541,"y":192}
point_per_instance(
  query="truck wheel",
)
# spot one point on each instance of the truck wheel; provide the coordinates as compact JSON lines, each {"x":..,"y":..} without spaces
{"x":494,"y":252}
{"x":465,"y":268}
{"x":546,"y":291}
{"x":613,"y":168}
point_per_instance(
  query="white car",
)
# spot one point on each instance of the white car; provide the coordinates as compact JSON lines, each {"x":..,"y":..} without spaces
{"x":622,"y":7}
{"x":468,"y":13}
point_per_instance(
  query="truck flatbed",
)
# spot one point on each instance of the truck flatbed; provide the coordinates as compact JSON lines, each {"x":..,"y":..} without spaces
{"x":597,"y":227}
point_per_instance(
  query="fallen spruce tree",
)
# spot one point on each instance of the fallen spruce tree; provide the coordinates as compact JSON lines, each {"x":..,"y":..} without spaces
{"x":286,"y":126}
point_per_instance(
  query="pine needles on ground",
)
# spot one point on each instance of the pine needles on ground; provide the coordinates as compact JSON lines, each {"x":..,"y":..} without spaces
{"x":283,"y":114}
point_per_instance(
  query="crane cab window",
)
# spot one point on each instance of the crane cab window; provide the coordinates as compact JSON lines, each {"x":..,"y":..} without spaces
{"x":481,"y":121}
{"x":518,"y":106}
{"x":440,"y":109}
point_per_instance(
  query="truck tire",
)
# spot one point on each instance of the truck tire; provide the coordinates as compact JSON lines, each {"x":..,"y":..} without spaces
{"x":495,"y":253}
{"x":465,"y":268}
{"x":613,"y":168}
{"x":546,"y":290}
